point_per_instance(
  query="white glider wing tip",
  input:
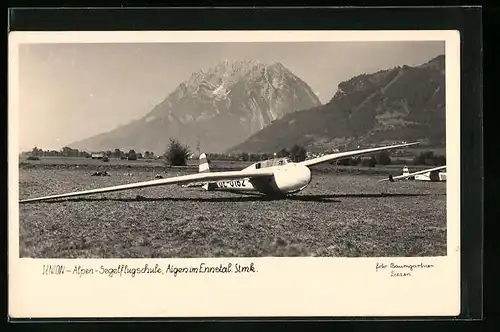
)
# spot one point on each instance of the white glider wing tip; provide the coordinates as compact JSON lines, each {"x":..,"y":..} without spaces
{"x":213,"y":176}
{"x":353,"y":153}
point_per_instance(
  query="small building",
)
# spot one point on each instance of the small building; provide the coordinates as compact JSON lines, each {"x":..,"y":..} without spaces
{"x":97,"y":155}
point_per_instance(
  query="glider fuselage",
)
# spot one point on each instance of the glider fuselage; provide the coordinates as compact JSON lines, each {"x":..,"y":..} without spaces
{"x":434,"y":176}
{"x":288,"y":178}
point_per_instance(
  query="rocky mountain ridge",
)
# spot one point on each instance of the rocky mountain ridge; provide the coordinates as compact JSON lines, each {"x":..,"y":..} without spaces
{"x":213,"y":109}
{"x":399,"y":104}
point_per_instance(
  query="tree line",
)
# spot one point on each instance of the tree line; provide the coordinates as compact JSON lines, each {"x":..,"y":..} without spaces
{"x":427,"y":158}
{"x":297,"y":153}
{"x":70,"y":152}
{"x":177,"y":154}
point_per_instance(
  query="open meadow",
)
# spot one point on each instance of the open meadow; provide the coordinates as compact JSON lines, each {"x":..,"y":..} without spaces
{"x":338,"y":214}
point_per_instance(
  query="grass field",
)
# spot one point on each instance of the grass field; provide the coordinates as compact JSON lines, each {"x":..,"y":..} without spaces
{"x":339,"y":214}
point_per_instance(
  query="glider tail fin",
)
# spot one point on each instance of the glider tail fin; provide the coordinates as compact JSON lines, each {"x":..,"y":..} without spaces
{"x":204,"y":167}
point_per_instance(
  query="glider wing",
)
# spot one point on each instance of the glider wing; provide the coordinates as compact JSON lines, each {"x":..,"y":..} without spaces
{"x":350,"y":154}
{"x":213,"y":176}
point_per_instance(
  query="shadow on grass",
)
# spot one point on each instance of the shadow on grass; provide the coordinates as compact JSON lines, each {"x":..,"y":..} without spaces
{"x":238,"y":197}
{"x":333,"y":196}
{"x":378,"y":195}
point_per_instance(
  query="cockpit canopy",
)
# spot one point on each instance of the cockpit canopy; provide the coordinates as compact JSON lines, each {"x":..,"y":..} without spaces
{"x":273,"y":162}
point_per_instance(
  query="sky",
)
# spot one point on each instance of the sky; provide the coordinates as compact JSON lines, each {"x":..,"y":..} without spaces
{"x":69,"y":92}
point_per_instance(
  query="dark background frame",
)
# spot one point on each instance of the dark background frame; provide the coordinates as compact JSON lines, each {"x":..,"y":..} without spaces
{"x":465,"y":19}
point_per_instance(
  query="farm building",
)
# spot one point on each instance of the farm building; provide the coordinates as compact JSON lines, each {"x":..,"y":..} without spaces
{"x":97,"y":155}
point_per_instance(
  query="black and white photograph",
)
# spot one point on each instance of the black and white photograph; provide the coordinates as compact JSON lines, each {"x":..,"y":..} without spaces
{"x":223,"y":149}
{"x":325,"y":148}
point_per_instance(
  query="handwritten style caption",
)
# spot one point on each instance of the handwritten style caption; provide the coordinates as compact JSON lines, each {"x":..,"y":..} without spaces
{"x":125,"y":270}
{"x":401,"y":270}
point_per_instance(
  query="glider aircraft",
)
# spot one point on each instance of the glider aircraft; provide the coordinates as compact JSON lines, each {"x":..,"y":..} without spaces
{"x":274,"y":177}
{"x":431,"y":174}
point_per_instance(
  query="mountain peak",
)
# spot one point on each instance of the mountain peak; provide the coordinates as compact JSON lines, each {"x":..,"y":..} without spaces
{"x":437,"y":62}
{"x":278,"y":64}
{"x":237,"y":65}
{"x":402,"y":103}
{"x":219,"y":106}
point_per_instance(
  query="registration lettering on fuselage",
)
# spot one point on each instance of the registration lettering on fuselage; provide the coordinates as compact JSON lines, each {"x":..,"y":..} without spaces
{"x":232,"y":184}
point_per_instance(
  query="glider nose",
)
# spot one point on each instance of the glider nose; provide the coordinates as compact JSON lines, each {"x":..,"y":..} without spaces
{"x":303,"y":176}
{"x":305,"y":173}
{"x":292,"y":179}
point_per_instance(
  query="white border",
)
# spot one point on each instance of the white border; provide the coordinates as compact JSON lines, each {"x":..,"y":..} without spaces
{"x":282,"y":286}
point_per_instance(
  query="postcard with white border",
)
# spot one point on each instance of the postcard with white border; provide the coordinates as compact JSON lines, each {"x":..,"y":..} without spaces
{"x":234,"y":174}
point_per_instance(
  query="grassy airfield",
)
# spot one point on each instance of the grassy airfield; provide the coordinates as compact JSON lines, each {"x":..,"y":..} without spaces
{"x":344,"y":212}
